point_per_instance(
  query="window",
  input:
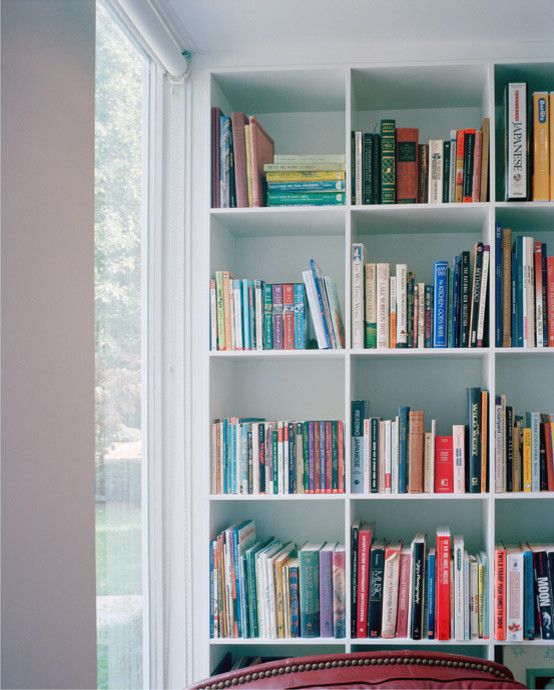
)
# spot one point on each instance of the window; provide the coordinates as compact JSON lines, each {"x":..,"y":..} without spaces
{"x":122,"y":72}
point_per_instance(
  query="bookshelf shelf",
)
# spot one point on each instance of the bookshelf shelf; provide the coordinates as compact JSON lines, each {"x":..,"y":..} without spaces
{"x":314,"y":110}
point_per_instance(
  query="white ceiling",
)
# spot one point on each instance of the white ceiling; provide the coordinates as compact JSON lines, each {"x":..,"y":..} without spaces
{"x":278,"y":27}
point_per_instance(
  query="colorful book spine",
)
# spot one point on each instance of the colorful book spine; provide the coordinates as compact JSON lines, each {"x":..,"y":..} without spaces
{"x":443,"y":585}
{"x":288,"y":316}
{"x":339,"y":592}
{"x":431,"y":570}
{"x":326,"y":590}
{"x":321,"y":198}
{"x":407,"y":143}
{"x":300,"y":320}
{"x":308,"y":560}
{"x":440,"y":334}
{"x":540,"y":179}
{"x":376,"y":569}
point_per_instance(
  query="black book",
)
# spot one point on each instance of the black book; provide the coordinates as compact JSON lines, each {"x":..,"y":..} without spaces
{"x":292,"y":459}
{"x":367,"y":168}
{"x":376,"y":570}
{"x":464,"y":300}
{"x":354,"y":577}
{"x":543,"y":591}
{"x":469,"y":153}
{"x":423,"y":174}
{"x":446,"y":171}
{"x":418,"y":586}
{"x":376,"y":163}
{"x":374,"y":455}
{"x":542,"y":452}
{"x":261,"y":455}
{"x":509,"y":448}
{"x":475,"y":294}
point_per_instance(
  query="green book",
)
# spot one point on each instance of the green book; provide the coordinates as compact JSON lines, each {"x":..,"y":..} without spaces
{"x":334,"y":456}
{"x":308,"y":559}
{"x":302,"y":198}
{"x":388,"y":161}
{"x":268,"y":316}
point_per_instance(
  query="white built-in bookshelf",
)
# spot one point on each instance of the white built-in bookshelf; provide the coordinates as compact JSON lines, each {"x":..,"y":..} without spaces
{"x":314,"y":111}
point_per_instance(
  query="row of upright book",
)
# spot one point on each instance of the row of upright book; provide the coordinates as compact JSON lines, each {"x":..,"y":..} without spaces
{"x":524,"y":443}
{"x":391,"y":166}
{"x":399,"y":455}
{"x":256,"y":456}
{"x":255,"y":315}
{"x":523,"y":592}
{"x":398,"y":311}
{"x":417,"y":592}
{"x":524,"y":281}
{"x":272,"y":588}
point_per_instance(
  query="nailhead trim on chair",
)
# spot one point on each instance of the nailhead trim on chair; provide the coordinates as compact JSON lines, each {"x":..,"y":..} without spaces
{"x":246,"y":678}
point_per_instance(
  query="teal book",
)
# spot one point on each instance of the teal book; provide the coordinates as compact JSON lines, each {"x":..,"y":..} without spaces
{"x":388,"y":161}
{"x":308,"y":559}
{"x":306,"y":198}
{"x":268,"y":316}
{"x":307,"y":186}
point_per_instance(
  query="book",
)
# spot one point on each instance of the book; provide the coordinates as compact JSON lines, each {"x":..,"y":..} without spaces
{"x":368,"y":143}
{"x":423,"y":174}
{"x":460,"y":153}
{"x":370,"y":337}
{"x":383,"y":303}
{"x":469,"y":155}
{"x":474,"y":439}
{"x":540,"y":178}
{"x":440,"y":335}
{"x":311,"y":198}
{"x":446,"y":172}
{"x":390,"y":589}
{"x":418,"y":585}
{"x":376,"y":570}
{"x":500,"y":593}
{"x":443,"y":584}
{"x":444,"y":465}
{"x":238,"y":121}
{"x":485,"y":148}
{"x":358,"y":179}
{"x":416,"y":444}
{"x":436,"y":164}
{"x":303,"y":177}
{"x":388,"y":161}
{"x":431,"y":579}
{"x":215,"y":130}
{"x":263,"y":150}
{"x":365,"y":535}
{"x":458,"y":586}
{"x":407,"y":147}
{"x":358,"y":415}
{"x":326,"y":596}
{"x":516,"y":145}
{"x":339,"y":591}
{"x":478,"y":153}
{"x":308,"y":562}
{"x":514,"y":594}
{"x":403,"y":618}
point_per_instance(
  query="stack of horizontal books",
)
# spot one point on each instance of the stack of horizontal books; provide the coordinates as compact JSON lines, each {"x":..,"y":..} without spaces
{"x":311,"y":180}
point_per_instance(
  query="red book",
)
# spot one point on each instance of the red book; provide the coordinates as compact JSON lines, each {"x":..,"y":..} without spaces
{"x":364,"y":547}
{"x":443,"y":585}
{"x":550,"y":298}
{"x":263,"y":151}
{"x":459,"y":163}
{"x":340,"y":436}
{"x":317,"y":469}
{"x":404,"y":593}
{"x":500,"y":593}
{"x":539,"y":306}
{"x":407,"y":141}
{"x":238,"y":120}
{"x":288,"y":316}
{"x":328,"y":457}
{"x":549,"y":456}
{"x":444,"y":465}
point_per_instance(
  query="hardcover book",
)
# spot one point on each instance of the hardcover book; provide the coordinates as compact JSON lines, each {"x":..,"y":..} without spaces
{"x":516,"y":145}
{"x":407,"y":143}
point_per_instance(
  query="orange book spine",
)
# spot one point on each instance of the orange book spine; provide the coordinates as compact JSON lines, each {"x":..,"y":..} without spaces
{"x":540,"y":180}
{"x":458,"y":192}
{"x":484,"y":439}
{"x":416,"y":446}
{"x":500,"y":593}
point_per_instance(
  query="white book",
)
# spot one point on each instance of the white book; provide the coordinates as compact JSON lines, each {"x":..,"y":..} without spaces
{"x":315,"y":311}
{"x":473,"y":598}
{"x":358,"y":138}
{"x":358,"y":260}
{"x":458,"y":447}
{"x":390,"y":590}
{"x":514,"y":594}
{"x":395,"y":441}
{"x":259,"y":321}
{"x":237,"y":316}
{"x":539,"y":309}
{"x":483,"y":294}
{"x":401,"y":304}
{"x":466,"y":596}
{"x":452,"y":180}
{"x":367,"y":454}
{"x":213,"y":318}
{"x":232,"y":317}
{"x":255,"y":458}
{"x":392,"y":312}
{"x":387,"y":452}
{"x":421,"y":315}
{"x":436,"y":164}
{"x":516,"y":137}
{"x":529,"y":292}
{"x":499,"y":451}
{"x":383,"y":306}
{"x":371,"y":304}
{"x":458,"y":588}
{"x":280,"y":458}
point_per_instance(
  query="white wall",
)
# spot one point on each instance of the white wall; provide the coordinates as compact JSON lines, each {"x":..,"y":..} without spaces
{"x":47,"y":139}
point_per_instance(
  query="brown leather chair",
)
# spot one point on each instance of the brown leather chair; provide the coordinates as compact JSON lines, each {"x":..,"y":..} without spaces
{"x":383,"y":669}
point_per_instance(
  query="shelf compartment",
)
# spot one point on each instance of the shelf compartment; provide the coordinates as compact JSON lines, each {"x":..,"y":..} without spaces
{"x":514,"y":524}
{"x":282,"y":221}
{"x":528,"y":382}
{"x":290,"y":388}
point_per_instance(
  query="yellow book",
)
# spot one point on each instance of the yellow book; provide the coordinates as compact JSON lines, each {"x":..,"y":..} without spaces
{"x":527,"y":480}
{"x":299,"y":176}
{"x":248,"y":165}
{"x":551,"y":142}
{"x":481,"y":585}
{"x":540,"y":181}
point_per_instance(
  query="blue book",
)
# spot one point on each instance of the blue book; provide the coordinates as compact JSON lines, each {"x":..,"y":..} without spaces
{"x":359,"y":411}
{"x":519,"y":290}
{"x":430,"y":575}
{"x":533,"y":421}
{"x":247,"y":344}
{"x":307,"y":186}
{"x":322,"y":458}
{"x":513,"y":296}
{"x":403,"y":421}
{"x":440,"y":309}
{"x":225,"y":143}
{"x":252,"y":313}
{"x":450,"y":312}
{"x":225,"y":453}
{"x":456,"y":302}
{"x":498,"y":283}
{"x":299,"y":316}
{"x":294,"y":601}
{"x":528,"y":596}
{"x":316,"y":274}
